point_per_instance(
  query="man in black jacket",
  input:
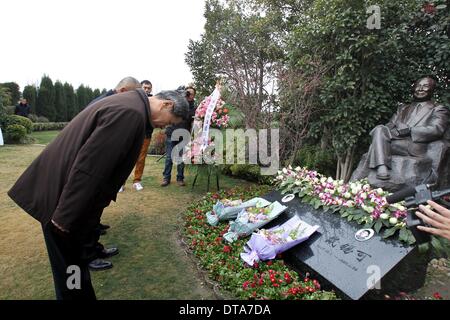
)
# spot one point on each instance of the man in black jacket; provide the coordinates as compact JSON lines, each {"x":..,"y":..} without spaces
{"x":187,"y":125}
{"x":22,"y":109}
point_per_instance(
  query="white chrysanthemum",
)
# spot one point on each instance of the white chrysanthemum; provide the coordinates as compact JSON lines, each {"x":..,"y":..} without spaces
{"x":363,"y":195}
{"x":323,"y":180}
{"x":356,"y":190}
{"x":350,"y":204}
{"x":330,"y":180}
{"x":285,"y":171}
{"x":298,"y":169}
{"x":384,"y":216}
{"x":297,"y":183}
{"x":393,"y":220}
{"x":347,"y":195}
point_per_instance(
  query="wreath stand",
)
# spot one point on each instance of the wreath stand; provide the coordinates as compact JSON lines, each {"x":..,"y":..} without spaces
{"x":211,"y":170}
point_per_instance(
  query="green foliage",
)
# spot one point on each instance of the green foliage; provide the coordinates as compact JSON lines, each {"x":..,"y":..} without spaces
{"x":14,"y":92}
{"x":249,"y":172}
{"x":82,"y":97}
{"x":46,"y":99}
{"x":49,"y":126}
{"x":15,"y":133}
{"x":5,"y":96}
{"x":19,"y":120}
{"x":71,"y":101}
{"x":361,"y":75}
{"x":314,"y":158}
{"x":60,"y":103}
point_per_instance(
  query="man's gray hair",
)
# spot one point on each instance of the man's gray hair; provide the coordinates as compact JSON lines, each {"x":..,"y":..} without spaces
{"x":181,"y":105}
{"x":129,"y":83}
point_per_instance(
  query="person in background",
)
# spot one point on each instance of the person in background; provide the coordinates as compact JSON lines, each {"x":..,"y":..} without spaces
{"x":140,"y":164}
{"x":124,"y":85}
{"x":187,"y":125}
{"x":23,"y":108}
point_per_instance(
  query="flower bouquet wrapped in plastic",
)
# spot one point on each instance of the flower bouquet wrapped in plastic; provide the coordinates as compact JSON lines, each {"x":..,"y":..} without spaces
{"x":229,"y":209}
{"x":266,"y":244}
{"x":252,"y":218}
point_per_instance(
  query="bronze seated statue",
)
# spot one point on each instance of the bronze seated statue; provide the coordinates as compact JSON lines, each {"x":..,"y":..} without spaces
{"x":413,"y":148}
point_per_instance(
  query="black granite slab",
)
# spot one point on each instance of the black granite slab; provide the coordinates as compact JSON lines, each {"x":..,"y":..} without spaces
{"x":335,"y":254}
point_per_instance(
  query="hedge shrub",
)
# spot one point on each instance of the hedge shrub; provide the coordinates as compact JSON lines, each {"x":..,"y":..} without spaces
{"x":42,"y":126}
{"x":19,"y":120}
{"x":15,"y":133}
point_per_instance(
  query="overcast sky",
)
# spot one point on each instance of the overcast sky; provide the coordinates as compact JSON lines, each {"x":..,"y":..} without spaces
{"x":98,"y":42}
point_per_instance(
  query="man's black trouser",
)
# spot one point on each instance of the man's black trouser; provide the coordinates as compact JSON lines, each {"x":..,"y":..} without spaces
{"x":69,"y":258}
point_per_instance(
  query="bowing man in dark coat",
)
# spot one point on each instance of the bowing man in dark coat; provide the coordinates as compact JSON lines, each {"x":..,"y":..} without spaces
{"x":69,"y":184}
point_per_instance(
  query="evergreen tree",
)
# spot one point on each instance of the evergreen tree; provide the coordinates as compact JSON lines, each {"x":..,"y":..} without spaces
{"x":14,"y":91}
{"x":60,"y":102}
{"x":81,"y":97}
{"x":30,"y":93}
{"x":71,"y":101}
{"x":89,"y":95}
{"x":46,"y":99}
{"x":96,"y":93}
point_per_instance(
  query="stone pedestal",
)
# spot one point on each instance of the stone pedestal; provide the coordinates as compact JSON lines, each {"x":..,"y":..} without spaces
{"x":406,"y":171}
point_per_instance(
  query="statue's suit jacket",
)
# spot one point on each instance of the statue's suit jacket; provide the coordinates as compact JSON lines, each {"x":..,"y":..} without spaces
{"x":429,"y":124}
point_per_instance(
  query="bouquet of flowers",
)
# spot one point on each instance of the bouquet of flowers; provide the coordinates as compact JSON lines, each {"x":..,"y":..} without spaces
{"x":228,"y":209}
{"x":266,"y":244}
{"x":252,"y":218}
{"x":219,"y":118}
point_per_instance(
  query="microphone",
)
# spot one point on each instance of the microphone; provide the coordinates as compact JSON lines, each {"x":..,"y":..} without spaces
{"x":401,"y":195}
{"x":415,"y":196}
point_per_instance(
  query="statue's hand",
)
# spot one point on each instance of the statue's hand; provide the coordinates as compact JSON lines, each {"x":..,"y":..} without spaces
{"x":403,"y":129}
{"x":404,"y":132}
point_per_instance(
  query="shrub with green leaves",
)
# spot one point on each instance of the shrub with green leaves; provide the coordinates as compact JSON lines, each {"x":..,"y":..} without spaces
{"x":249,"y":172}
{"x":19,"y":120}
{"x":315,"y":158}
{"x":15,"y":133}
{"x":49,"y":126}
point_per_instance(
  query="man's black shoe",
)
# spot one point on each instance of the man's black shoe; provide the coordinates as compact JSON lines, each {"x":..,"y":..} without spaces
{"x":99,"y":265}
{"x":107,"y":253}
{"x":104,"y":226}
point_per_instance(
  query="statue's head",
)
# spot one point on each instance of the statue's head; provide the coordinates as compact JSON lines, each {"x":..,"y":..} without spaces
{"x":424,"y":89}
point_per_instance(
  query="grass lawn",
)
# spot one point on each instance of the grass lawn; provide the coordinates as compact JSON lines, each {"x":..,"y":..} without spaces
{"x":144,"y":225}
{"x":44,"y":137}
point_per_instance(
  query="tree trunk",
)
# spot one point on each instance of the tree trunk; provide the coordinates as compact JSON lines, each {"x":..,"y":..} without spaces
{"x":345,"y":164}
